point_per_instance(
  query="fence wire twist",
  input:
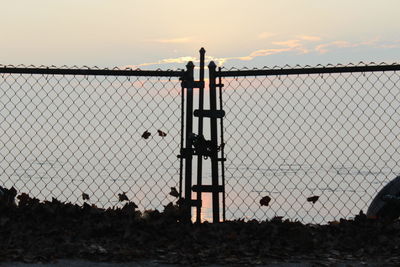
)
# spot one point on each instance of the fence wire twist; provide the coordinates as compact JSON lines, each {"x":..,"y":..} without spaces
{"x":64,"y":135}
{"x":291,"y":137}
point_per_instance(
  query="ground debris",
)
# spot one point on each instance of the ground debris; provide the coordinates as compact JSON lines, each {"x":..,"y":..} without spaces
{"x":35,"y":231}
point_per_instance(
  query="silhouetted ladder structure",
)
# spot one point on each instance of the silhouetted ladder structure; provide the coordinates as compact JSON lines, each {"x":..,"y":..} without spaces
{"x":197,"y":145}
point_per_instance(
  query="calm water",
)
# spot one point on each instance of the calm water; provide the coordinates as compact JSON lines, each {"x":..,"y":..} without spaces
{"x":343,"y":190}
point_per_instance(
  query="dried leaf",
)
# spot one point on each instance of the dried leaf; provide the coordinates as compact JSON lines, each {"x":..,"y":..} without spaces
{"x":85,"y":196}
{"x":265,"y":201}
{"x":129,"y":207}
{"x":7,"y":196}
{"x":174,"y":192}
{"x":122,"y":197}
{"x":23,"y":197}
{"x":161,"y":133}
{"x":313,"y":199}
{"x":277,"y":219}
{"x":96,"y":249}
{"x":146,"y":134}
{"x":25,"y":200}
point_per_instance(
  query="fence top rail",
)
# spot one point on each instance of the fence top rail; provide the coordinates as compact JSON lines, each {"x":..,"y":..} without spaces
{"x":307,"y":70}
{"x":88,"y":71}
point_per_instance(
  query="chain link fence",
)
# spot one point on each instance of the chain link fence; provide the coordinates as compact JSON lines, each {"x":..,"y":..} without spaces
{"x":64,"y":133}
{"x":290,"y":137}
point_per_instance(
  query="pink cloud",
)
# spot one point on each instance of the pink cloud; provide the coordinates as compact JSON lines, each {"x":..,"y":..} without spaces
{"x":302,"y":45}
{"x":324,"y":48}
{"x":177,"y":60}
{"x":288,"y":43}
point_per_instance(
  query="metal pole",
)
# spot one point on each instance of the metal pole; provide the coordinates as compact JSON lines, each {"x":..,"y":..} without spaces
{"x":214,"y":142}
{"x":200,"y":132}
{"x":189,"y":130}
{"x":222,"y":147}
{"x":182,"y":141}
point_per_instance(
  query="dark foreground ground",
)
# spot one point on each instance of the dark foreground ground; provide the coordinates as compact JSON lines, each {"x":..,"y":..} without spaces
{"x":46,"y":232}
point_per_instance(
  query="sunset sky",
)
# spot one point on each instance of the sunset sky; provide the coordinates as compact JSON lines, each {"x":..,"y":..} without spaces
{"x":167,"y":33}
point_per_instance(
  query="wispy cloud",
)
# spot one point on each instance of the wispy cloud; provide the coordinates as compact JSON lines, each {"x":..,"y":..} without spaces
{"x":257,"y":53}
{"x":219,"y":60}
{"x":393,"y":44}
{"x":263,"y":53}
{"x":303,"y":44}
{"x":293,"y":45}
{"x":326,"y":47}
{"x":283,"y":46}
{"x":306,"y":44}
{"x":177,"y":60}
{"x":289,"y":43}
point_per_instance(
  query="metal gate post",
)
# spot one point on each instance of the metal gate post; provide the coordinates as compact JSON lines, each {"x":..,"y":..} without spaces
{"x":222,"y":146}
{"x":196,"y":144}
{"x":200,"y":132}
{"x":214,"y":141}
{"x":188,"y":154}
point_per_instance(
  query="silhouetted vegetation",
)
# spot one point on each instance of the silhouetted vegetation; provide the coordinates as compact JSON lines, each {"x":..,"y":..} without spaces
{"x":33,"y":230}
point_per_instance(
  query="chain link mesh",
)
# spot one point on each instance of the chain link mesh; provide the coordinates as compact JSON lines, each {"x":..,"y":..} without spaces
{"x":64,"y":135}
{"x":291,"y":137}
{"x":288,"y":137}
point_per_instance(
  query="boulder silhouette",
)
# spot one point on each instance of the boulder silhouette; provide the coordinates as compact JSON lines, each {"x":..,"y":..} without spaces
{"x":386,"y":204}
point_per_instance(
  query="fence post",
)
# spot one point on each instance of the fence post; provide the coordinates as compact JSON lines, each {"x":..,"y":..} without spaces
{"x":200,"y":132}
{"x":222,"y":147}
{"x":188,"y":144}
{"x":214,"y":141}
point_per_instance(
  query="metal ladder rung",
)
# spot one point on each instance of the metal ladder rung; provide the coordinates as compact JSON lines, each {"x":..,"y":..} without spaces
{"x":186,"y":152}
{"x":195,"y":203}
{"x":192,"y":84}
{"x":208,"y":188}
{"x":209,"y":113}
{"x":192,"y":146}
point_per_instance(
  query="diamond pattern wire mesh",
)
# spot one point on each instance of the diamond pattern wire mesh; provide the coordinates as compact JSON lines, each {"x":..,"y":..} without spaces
{"x":62,"y":135}
{"x":291,"y":137}
{"x":288,"y":137}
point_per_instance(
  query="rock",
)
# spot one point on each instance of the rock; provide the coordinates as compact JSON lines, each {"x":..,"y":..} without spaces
{"x":385,"y":204}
